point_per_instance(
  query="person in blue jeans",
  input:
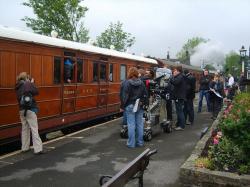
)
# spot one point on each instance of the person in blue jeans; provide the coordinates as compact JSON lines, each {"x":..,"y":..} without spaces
{"x":134,"y":90}
{"x":204,"y":90}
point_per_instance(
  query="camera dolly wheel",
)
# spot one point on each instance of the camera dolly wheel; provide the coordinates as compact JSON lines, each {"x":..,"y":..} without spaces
{"x":167,"y":127}
{"x":148,"y":135}
{"x":124,"y":132}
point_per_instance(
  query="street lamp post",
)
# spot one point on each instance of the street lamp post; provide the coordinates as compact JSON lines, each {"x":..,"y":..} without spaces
{"x":243,"y":52}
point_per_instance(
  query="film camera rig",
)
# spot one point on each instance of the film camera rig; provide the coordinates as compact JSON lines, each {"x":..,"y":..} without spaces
{"x":158,"y":93}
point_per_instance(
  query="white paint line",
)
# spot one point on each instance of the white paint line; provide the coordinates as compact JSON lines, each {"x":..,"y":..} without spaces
{"x":6,"y":162}
{"x":75,"y":137}
{"x":10,"y":154}
{"x":50,"y":147}
{"x":54,"y":140}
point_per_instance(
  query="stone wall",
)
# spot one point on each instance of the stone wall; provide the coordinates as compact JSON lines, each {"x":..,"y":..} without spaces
{"x":192,"y":176}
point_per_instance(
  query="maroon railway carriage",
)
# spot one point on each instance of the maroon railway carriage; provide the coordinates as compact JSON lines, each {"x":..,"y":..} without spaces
{"x":93,"y":92}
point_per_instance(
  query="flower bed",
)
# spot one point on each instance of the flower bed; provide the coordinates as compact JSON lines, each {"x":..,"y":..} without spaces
{"x":222,"y":157}
{"x":231,"y":141}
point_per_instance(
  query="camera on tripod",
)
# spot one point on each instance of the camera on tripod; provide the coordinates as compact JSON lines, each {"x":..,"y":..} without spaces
{"x":161,"y":84}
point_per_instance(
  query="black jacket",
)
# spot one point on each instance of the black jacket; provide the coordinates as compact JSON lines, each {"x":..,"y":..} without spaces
{"x":204,"y":82}
{"x":26,"y":87}
{"x":179,"y":84}
{"x":134,"y":89}
{"x":190,"y":86}
{"x":218,"y":87}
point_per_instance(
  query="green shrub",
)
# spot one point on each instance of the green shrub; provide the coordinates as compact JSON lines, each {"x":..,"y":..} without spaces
{"x":233,"y":151}
{"x":244,"y":169}
{"x":226,"y":155}
{"x":236,"y":124}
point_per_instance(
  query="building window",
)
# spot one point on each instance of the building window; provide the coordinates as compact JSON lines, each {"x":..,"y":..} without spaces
{"x":111,"y":72}
{"x":95,"y":71}
{"x":79,"y":70}
{"x":57,"y":70}
{"x":103,"y":72}
{"x":123,"y":72}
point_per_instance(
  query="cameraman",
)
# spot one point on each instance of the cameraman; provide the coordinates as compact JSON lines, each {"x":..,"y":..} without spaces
{"x":168,"y":96}
{"x":179,"y":94}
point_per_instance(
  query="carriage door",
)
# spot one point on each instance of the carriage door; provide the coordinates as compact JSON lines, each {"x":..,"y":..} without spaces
{"x":69,"y":82}
{"x":103,"y":85}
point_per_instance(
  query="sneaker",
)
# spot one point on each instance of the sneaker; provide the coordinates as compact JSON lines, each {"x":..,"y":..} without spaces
{"x":188,"y":123}
{"x":179,"y":129}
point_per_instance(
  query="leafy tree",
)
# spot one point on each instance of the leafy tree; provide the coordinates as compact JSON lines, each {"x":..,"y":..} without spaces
{"x":63,"y":16}
{"x":232,"y":64}
{"x":116,"y":37}
{"x":188,"y":49}
{"x":209,"y":67}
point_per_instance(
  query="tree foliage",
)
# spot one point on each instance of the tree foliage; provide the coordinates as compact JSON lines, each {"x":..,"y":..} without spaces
{"x":63,"y":16}
{"x":232,"y":64}
{"x":189,"y":47}
{"x":209,"y":67}
{"x":116,"y":37}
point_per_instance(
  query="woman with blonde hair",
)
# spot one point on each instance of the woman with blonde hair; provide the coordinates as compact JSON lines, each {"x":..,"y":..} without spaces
{"x":25,"y":87}
{"x":216,"y":95}
{"x":135,"y":96}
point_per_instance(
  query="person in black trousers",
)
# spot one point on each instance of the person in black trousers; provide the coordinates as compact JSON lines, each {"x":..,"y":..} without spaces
{"x":216,"y":95}
{"x":179,"y":94}
{"x":190,"y":95}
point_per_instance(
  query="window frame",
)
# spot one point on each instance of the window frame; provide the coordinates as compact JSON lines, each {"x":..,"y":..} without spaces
{"x":125,"y":74}
{"x":59,"y":70}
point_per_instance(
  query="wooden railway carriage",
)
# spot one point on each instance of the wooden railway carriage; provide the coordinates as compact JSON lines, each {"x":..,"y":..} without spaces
{"x":93,"y":91}
{"x":196,"y":71}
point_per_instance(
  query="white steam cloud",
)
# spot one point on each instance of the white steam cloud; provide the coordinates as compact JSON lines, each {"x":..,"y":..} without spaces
{"x":208,"y":53}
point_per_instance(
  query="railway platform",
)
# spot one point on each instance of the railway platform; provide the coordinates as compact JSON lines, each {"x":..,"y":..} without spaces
{"x":81,"y":158}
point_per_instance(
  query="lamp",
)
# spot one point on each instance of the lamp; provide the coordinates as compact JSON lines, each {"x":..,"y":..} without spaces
{"x":243,"y":52}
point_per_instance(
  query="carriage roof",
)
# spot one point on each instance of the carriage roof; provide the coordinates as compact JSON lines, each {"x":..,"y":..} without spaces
{"x":25,"y":36}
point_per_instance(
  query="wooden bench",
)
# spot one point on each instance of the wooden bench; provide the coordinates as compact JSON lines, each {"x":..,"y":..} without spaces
{"x":134,"y":169}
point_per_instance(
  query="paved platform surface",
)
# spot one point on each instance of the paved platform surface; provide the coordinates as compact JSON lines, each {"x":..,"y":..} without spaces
{"x":80,"y":159}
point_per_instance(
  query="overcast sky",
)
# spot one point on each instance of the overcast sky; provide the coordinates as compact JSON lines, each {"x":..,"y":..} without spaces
{"x":158,"y":25}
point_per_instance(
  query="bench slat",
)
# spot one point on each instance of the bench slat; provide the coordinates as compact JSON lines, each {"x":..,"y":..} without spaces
{"x":121,"y":178}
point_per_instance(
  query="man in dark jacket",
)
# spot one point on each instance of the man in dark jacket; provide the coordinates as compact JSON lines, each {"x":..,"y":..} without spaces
{"x":179,"y":93}
{"x":28,"y":116}
{"x":204,"y":90}
{"x":242,"y":82}
{"x":190,"y":95}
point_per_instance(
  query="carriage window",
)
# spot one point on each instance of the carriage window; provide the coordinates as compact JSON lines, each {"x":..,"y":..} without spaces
{"x":95,"y":72}
{"x":111,"y":72}
{"x":103,"y":72}
{"x":57,"y":70}
{"x":68,"y":69}
{"x":123,"y":72}
{"x":79,"y":70}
